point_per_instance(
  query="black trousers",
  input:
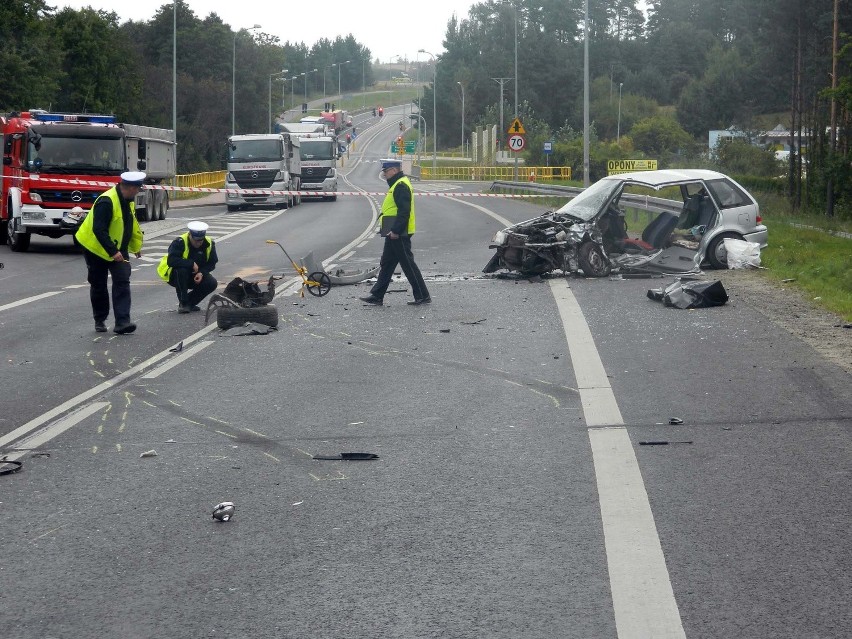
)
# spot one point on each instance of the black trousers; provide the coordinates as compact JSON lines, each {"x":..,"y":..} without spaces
{"x":398,"y":252}
{"x":188,"y":292}
{"x":99,"y":270}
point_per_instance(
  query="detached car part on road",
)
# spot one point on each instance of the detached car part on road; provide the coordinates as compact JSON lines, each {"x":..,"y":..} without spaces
{"x":597,"y":233}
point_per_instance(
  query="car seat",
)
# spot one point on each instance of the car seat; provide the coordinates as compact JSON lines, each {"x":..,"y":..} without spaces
{"x":657,"y":233}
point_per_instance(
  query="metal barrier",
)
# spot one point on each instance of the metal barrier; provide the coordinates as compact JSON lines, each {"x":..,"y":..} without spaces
{"x":491,"y":173}
{"x":210,"y":179}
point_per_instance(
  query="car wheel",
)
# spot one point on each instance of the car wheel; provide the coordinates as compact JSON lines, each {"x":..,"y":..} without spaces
{"x":716,"y":253}
{"x":228,"y":317}
{"x":592,"y":261}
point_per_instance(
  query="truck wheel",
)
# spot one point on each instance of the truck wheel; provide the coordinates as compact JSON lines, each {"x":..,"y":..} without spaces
{"x":142,"y":214}
{"x":3,"y":231}
{"x":18,"y":242}
{"x":161,"y":208}
{"x":228,"y":317}
{"x":592,"y":261}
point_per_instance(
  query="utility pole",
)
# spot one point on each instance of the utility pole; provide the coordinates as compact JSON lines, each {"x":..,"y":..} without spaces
{"x":501,"y":81}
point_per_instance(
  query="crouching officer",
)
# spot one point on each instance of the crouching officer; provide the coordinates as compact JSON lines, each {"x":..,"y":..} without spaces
{"x":187,"y":267}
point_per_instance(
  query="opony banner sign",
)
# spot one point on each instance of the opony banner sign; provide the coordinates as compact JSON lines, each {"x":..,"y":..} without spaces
{"x":628,"y":166}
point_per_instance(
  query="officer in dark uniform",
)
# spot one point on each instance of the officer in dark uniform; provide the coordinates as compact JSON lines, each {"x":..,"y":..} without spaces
{"x":397,"y":226}
{"x":108,"y":235}
{"x":187,"y":266}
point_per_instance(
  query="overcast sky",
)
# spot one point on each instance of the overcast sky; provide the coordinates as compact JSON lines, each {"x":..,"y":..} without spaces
{"x":388,"y":28}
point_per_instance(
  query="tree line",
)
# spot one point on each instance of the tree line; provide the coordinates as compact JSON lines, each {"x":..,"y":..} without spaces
{"x":660,"y":80}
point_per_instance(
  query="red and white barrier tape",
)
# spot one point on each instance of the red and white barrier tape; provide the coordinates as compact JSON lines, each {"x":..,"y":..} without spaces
{"x":203,"y":189}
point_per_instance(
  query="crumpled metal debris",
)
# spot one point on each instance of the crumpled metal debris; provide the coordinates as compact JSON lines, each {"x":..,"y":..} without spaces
{"x":240,"y":293}
{"x":249,"y":328}
{"x":685,"y":295}
{"x":224,"y":511}
{"x":348,"y":457}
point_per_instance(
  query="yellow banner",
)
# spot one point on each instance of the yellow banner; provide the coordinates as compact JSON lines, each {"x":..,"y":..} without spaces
{"x":627,"y":166}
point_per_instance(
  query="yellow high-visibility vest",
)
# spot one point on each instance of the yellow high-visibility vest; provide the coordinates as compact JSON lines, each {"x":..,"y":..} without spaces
{"x":163,"y":268}
{"x":86,"y":233}
{"x":389,"y":206}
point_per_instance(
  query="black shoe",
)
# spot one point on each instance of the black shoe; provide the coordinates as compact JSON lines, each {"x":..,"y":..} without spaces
{"x":194,"y":308}
{"x":425,"y":300}
{"x":124,"y":328}
{"x":372,"y":299}
{"x":100,"y":327}
{"x":184,"y":308}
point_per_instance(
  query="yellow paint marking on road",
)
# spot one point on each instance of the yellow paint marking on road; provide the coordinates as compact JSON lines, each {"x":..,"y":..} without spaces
{"x":145,"y":401}
{"x":173,"y":403}
{"x":100,"y":373}
{"x":305,"y":453}
{"x":89,"y":354}
{"x":91,"y":362}
{"x":121,"y":427}
{"x":100,"y":429}
{"x":109,"y":360}
{"x":223,"y":433}
{"x":328,"y":477}
{"x":148,"y":390}
{"x":118,"y":447}
{"x":186,"y":419}
{"x":49,"y":532}
{"x":254,"y":432}
{"x":94,"y":450}
{"x":221,"y":421}
{"x":272,"y":457}
{"x":318,"y":336}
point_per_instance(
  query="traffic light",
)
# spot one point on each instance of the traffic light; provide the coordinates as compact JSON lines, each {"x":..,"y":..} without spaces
{"x":400,"y":145}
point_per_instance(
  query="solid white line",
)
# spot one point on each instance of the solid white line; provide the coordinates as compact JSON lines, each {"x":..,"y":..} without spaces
{"x":643,"y":600}
{"x":343,"y":258}
{"x":642,"y":596}
{"x":46,"y":434}
{"x":185,"y":355}
{"x":27,"y":300}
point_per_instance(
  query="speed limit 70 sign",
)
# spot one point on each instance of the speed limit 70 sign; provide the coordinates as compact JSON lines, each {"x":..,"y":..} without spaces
{"x":516,"y":142}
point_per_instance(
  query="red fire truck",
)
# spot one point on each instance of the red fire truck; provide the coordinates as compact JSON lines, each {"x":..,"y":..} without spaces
{"x":49,"y":157}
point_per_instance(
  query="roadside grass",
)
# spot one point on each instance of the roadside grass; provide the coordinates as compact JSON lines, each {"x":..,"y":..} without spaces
{"x":818,"y":263}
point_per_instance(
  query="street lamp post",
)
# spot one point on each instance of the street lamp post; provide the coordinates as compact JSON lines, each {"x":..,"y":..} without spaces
{"x":234,"y":82}
{"x":339,"y":94}
{"x":434,"y":103}
{"x":174,"y":70}
{"x":618,"y":128}
{"x":272,"y":75}
{"x":306,"y":83}
{"x":292,"y":90}
{"x":462,"y":117}
{"x":414,"y":116}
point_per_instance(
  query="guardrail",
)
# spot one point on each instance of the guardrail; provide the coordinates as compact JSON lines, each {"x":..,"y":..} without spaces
{"x":628,"y":200}
{"x":210,"y":179}
{"x":487,"y":173}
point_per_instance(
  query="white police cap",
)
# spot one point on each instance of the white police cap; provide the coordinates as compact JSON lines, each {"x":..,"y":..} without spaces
{"x":197,"y":229}
{"x":133,"y":178}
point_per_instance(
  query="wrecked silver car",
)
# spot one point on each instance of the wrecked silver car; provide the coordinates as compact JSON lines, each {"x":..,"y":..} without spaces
{"x":617,"y":225}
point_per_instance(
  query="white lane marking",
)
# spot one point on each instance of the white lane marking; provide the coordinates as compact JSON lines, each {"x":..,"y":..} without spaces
{"x":487,"y":212}
{"x":179,"y":359}
{"x":72,"y":286}
{"x":27,"y":300}
{"x":642,"y":595}
{"x":57,"y":428}
{"x":643,"y":600}
{"x":363,"y":244}
{"x":343,"y":258}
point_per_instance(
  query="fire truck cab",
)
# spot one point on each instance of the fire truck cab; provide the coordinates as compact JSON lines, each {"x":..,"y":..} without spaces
{"x":56,"y":164}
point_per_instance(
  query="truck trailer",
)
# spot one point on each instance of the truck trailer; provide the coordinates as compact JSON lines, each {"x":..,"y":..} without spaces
{"x":50,"y":159}
{"x":263,"y":161}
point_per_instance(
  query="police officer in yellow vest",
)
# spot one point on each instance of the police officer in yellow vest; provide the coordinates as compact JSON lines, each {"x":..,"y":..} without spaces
{"x":108,"y":234}
{"x":397,"y":226}
{"x":187,"y":267}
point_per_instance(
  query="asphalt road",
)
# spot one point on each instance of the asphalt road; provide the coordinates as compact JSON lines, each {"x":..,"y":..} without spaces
{"x":511,"y":497}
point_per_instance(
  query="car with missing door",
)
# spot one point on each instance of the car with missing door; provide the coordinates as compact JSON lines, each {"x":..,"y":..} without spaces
{"x":621,"y":224}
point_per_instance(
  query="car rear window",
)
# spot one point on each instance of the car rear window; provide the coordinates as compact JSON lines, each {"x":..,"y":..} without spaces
{"x":727,"y":194}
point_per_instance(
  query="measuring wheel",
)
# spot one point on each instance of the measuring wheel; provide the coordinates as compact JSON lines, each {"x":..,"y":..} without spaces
{"x":318,"y":283}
